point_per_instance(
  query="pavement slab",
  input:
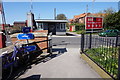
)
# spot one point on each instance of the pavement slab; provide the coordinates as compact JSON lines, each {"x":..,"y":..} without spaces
{"x":66,"y":64}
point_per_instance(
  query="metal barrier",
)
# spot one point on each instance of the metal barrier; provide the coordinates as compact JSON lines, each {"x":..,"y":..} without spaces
{"x":49,"y":44}
{"x":104,"y":51}
{"x":26,"y":53}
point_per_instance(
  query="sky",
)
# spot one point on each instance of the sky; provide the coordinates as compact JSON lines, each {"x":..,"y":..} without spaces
{"x":60,"y":0}
{"x":17,"y":11}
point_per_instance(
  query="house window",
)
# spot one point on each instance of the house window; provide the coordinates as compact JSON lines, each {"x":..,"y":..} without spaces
{"x":57,"y":26}
{"x":40,"y":26}
{"x":62,"y":26}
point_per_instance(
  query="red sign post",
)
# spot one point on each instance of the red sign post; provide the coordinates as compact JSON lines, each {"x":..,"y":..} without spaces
{"x":93,"y":23}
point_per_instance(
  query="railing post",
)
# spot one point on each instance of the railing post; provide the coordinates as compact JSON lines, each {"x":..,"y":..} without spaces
{"x":116,"y":40}
{"x":119,"y":62}
{"x":90,"y":41}
{"x":49,"y":43}
{"x":82,"y":43}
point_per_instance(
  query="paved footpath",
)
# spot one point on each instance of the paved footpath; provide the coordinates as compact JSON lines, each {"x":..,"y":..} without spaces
{"x":67,"y":64}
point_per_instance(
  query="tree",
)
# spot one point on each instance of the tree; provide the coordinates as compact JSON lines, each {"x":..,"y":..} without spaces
{"x":109,"y":11}
{"x":79,"y":26}
{"x":111,"y":18}
{"x":112,"y":21}
{"x":61,"y":17}
{"x":100,"y":13}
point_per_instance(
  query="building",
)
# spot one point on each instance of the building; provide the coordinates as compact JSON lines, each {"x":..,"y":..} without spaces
{"x":7,"y":25}
{"x":19,"y":24}
{"x":81,"y":18}
{"x":30,"y":20}
{"x":57,"y":27}
{"x":78,"y":18}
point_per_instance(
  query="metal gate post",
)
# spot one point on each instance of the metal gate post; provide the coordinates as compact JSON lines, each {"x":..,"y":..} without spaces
{"x":116,"y":40}
{"x":82,"y":43}
{"x":49,"y":43}
{"x":90,"y":41}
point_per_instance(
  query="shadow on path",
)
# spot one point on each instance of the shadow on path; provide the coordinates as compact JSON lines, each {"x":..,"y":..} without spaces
{"x":22,"y":69}
{"x":55,"y":53}
{"x":33,"y":77}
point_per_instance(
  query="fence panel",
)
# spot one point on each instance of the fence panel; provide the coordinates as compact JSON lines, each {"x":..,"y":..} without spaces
{"x":104,"y":51}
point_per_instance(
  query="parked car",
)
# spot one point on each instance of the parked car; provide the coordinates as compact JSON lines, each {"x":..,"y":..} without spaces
{"x":110,"y":33}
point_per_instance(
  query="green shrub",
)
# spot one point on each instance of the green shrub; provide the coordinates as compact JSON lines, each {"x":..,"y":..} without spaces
{"x":81,"y":32}
{"x":79,"y":26}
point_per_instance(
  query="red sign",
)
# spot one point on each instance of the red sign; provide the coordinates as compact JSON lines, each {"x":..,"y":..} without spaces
{"x":94,"y":23}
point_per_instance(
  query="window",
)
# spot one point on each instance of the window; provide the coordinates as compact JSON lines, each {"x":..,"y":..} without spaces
{"x":40,"y":26}
{"x":62,"y":26}
{"x":57,"y":26}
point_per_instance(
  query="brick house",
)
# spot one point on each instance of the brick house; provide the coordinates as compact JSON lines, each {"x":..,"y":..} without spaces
{"x":19,"y":24}
{"x":81,"y":18}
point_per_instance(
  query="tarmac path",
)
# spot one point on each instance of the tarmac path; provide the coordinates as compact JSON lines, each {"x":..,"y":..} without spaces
{"x":65,"y":63}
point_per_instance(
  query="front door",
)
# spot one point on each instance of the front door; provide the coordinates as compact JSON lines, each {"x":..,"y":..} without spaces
{"x":52,"y":28}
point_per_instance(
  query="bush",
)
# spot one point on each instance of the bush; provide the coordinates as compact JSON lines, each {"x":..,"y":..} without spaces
{"x":72,"y":24}
{"x":81,"y":32}
{"x":79,"y":26}
{"x":112,"y":21}
{"x":15,"y":30}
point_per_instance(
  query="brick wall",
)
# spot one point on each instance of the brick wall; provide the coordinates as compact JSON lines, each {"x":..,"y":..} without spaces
{"x":38,"y":37}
